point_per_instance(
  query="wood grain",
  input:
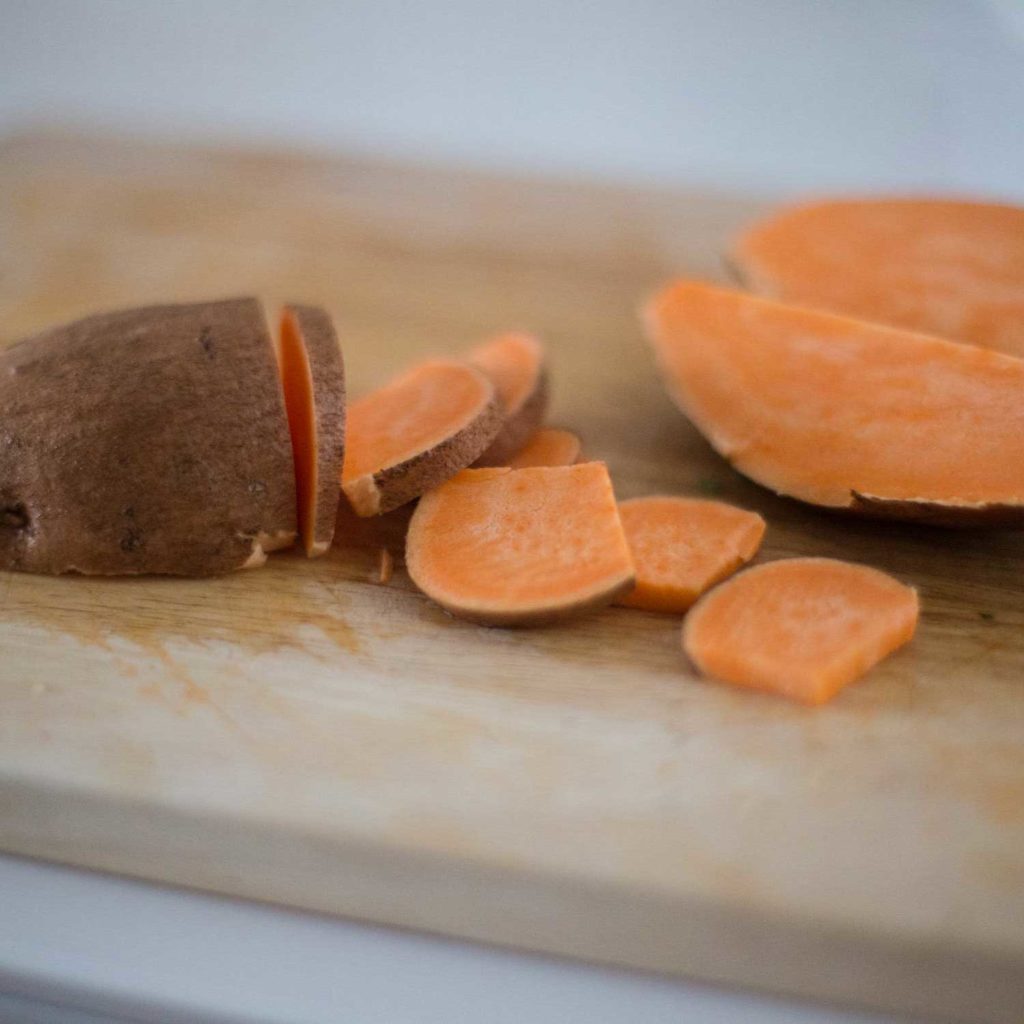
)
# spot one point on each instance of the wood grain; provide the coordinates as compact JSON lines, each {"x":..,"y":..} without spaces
{"x":306,"y":735}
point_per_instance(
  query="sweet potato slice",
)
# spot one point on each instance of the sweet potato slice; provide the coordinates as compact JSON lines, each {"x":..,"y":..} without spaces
{"x":941,"y":266}
{"x":520,"y":547}
{"x":313,"y":375}
{"x":843,"y":413}
{"x":803,"y":627}
{"x":515,"y":365}
{"x":416,"y":432}
{"x":683,"y":546}
{"x":548,"y":447}
{"x":149,"y":440}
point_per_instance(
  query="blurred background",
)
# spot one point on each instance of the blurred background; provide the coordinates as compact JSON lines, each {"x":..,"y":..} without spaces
{"x":783,"y":95}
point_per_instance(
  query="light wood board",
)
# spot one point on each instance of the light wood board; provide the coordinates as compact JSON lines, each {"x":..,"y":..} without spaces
{"x":303,"y":735}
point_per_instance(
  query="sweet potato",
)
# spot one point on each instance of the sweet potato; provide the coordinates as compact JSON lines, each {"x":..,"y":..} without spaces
{"x":548,"y":447}
{"x":683,"y":546}
{"x":149,"y":440}
{"x":520,"y":547}
{"x":843,"y":413}
{"x":941,"y":266}
{"x":515,"y":365}
{"x":313,"y":376}
{"x":416,"y":432}
{"x":803,"y":627}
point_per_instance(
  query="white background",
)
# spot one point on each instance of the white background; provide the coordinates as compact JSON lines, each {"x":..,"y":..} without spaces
{"x":779,"y":94}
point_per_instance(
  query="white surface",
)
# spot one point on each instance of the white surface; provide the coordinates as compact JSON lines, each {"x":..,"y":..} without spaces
{"x":100,"y":946}
{"x":792,"y":94}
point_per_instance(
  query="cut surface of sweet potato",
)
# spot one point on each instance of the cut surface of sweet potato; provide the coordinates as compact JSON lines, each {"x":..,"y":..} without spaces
{"x":416,"y":432}
{"x":843,"y":413}
{"x":802,"y":627}
{"x":149,"y":440}
{"x":942,"y":266}
{"x":683,"y":546}
{"x":548,"y":447}
{"x":313,"y":376}
{"x":515,"y":364}
{"x":518,"y":547}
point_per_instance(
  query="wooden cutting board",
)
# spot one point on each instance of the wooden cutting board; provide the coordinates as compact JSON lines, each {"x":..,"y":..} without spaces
{"x":305,"y":735}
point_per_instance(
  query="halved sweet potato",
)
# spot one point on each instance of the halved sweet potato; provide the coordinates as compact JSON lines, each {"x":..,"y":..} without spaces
{"x":515,"y":365}
{"x":942,"y":266}
{"x":313,"y":375}
{"x":843,"y":413}
{"x":416,"y":432}
{"x":149,"y":440}
{"x":548,"y":447}
{"x":683,"y":546}
{"x":802,"y":627}
{"x":520,"y":547}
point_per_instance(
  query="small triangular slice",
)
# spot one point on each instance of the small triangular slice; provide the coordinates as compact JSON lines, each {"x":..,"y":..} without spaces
{"x":944,"y":266}
{"x":845,"y":413}
{"x":515,"y":364}
{"x":313,"y":376}
{"x":803,"y":627}
{"x":549,"y":446}
{"x":416,"y":432}
{"x":520,"y":547}
{"x":684,"y":546}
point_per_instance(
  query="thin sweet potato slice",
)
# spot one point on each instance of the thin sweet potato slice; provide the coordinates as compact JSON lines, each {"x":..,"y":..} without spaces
{"x":548,"y":447}
{"x":313,"y":376}
{"x":941,"y":266}
{"x":416,"y":432}
{"x":149,"y":440}
{"x":683,"y":546}
{"x":515,"y":365}
{"x":803,"y":627}
{"x":520,"y":547}
{"x":844,"y":413}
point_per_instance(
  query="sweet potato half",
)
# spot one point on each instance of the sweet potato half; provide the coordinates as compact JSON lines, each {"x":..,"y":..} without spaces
{"x":941,"y":266}
{"x":150,"y":440}
{"x":843,"y":413}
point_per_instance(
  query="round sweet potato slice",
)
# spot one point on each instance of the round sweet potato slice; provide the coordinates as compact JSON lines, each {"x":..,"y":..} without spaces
{"x":802,"y":627}
{"x":942,"y":266}
{"x":149,"y":440}
{"x":313,"y":375}
{"x":549,"y":446}
{"x":416,"y":432}
{"x":520,"y":547}
{"x":844,"y":413}
{"x":515,"y":364}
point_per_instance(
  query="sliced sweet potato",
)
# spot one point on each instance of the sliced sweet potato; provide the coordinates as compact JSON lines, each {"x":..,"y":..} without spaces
{"x":416,"y":432}
{"x":548,"y":447}
{"x":149,"y":440}
{"x":803,"y":627}
{"x":515,"y":364}
{"x":843,"y":413}
{"x":683,"y":546}
{"x":313,"y":375}
{"x":941,"y":266}
{"x":519,"y":547}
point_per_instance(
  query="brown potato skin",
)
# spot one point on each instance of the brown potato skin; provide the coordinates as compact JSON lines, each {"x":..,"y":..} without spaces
{"x":328,"y":371}
{"x":397,"y":485}
{"x":519,"y":426}
{"x":150,"y":440}
{"x":936,"y":513}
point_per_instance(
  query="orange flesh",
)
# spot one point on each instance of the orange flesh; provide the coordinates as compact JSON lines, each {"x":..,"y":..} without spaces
{"x":803,"y":628}
{"x":818,"y":406}
{"x":507,"y":546}
{"x":548,"y":447}
{"x":513,"y":363}
{"x":683,"y":546}
{"x":950,"y":268}
{"x":297,"y":380}
{"x":413,"y":413}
